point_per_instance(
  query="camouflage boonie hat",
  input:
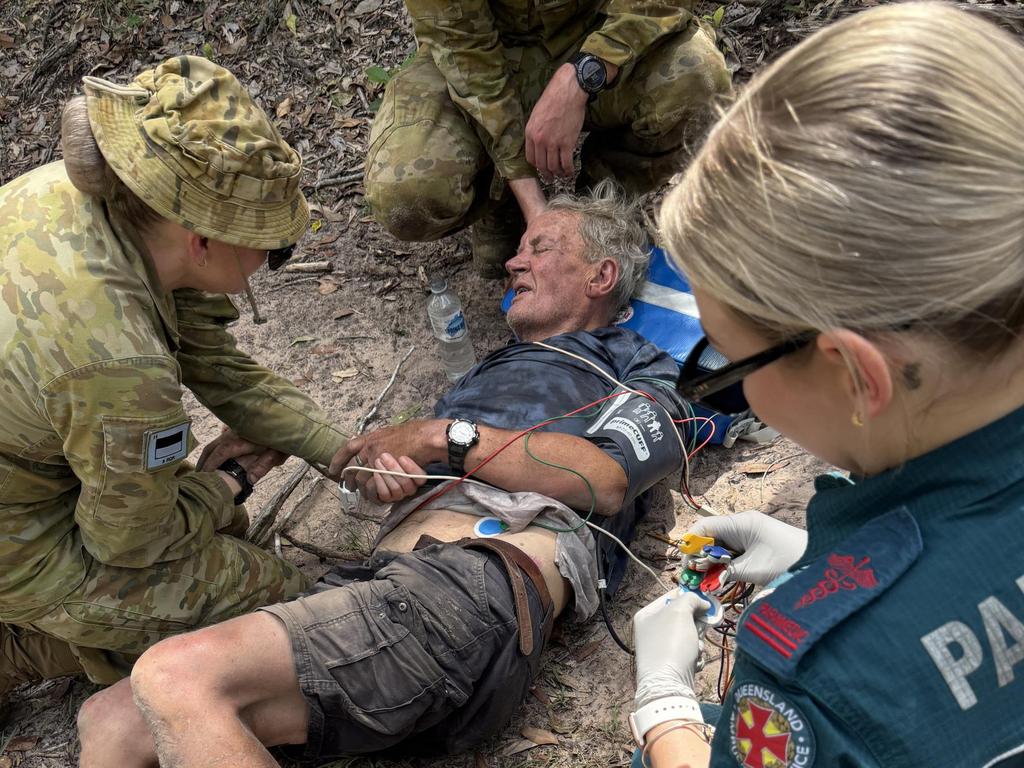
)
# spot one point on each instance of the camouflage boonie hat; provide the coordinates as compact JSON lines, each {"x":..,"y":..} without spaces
{"x":191,"y":143}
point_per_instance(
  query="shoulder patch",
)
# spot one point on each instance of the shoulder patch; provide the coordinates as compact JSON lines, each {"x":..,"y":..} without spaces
{"x":779,"y":629}
{"x":164,"y":446}
{"x":767,"y":730}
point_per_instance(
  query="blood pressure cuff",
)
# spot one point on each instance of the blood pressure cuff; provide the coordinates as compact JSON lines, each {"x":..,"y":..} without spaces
{"x":638,"y":433}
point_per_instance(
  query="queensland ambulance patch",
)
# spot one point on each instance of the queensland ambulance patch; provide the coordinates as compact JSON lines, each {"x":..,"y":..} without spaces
{"x":766,"y":731}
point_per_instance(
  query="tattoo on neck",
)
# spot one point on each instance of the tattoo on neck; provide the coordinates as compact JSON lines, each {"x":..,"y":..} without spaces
{"x":912,"y":375}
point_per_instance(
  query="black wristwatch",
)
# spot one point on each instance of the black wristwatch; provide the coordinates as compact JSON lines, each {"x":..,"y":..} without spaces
{"x":591,"y":73}
{"x":237,"y":471}
{"x":462,"y":435}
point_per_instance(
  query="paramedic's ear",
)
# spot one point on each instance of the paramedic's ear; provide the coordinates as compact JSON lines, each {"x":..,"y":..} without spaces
{"x":604,"y":279}
{"x":863,"y":370}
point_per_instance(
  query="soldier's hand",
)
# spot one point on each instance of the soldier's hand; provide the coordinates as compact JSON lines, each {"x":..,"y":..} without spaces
{"x":257,"y":459}
{"x":555,"y":124}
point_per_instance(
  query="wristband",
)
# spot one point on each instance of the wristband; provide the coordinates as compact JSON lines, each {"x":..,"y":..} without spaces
{"x":661,"y":711}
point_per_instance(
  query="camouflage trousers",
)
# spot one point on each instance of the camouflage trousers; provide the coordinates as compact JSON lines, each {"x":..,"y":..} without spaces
{"x":103,"y":626}
{"x":428,"y":175}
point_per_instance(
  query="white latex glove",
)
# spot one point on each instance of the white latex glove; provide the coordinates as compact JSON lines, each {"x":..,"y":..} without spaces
{"x":768,"y":546}
{"x":667,"y":646}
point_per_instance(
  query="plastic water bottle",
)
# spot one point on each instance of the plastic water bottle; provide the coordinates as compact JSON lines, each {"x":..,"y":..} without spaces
{"x":450,"y":329}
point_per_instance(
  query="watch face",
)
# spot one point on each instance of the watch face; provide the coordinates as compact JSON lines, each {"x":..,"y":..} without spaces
{"x":592,"y":72}
{"x":462,"y":432}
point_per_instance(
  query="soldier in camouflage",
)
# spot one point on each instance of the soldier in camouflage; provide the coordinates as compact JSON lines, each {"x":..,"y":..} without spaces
{"x":113,"y":266}
{"x":495,"y":95}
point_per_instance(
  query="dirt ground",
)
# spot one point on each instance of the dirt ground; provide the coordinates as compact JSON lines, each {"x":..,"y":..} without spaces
{"x":319,"y":66}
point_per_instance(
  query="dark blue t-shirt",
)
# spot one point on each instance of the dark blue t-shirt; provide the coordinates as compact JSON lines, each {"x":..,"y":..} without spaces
{"x":524,"y":384}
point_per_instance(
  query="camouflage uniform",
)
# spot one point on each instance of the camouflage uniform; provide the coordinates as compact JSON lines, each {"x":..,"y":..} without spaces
{"x":109,"y":540}
{"x":451,"y":126}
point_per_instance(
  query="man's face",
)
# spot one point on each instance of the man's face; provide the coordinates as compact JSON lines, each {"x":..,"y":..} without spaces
{"x":549,"y":277}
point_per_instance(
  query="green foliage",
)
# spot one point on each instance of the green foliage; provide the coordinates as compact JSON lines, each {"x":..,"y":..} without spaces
{"x":715,"y":19}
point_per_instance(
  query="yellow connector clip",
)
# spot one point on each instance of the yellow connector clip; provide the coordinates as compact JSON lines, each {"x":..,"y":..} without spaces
{"x":692,"y":544}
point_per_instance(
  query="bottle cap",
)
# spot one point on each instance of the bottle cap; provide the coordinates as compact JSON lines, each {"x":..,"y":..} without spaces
{"x":438,"y":285}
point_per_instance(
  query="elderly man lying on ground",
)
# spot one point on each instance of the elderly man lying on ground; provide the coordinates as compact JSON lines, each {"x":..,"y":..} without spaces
{"x":432,"y":646}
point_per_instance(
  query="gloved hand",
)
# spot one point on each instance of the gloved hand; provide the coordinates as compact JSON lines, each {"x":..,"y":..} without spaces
{"x":667,"y":646}
{"x":768,"y":546}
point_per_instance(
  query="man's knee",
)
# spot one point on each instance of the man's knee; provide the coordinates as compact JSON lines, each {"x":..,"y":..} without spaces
{"x":681,"y":83}
{"x":422,"y":199}
{"x":171,"y":666}
{"x":103,"y":710}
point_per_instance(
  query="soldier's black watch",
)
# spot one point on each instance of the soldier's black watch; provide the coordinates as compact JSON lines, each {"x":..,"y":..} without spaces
{"x":237,"y":471}
{"x":462,"y":435}
{"x":591,"y":73}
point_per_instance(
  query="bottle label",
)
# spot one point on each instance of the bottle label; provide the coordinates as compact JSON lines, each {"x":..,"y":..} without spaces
{"x":456,"y":327}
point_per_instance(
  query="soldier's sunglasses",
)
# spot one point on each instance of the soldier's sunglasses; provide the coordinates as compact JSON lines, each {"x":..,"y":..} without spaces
{"x":696,"y":382}
{"x":278,"y":256}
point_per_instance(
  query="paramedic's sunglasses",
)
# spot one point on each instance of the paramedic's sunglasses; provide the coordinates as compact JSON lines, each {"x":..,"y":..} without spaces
{"x":278,"y":256}
{"x":699,"y":377}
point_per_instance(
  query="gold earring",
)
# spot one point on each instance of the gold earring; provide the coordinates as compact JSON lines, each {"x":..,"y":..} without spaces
{"x":203,"y":262}
{"x":857,"y":419}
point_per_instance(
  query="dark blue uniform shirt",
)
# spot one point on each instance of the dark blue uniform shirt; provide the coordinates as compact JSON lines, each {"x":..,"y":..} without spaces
{"x":898,"y":639}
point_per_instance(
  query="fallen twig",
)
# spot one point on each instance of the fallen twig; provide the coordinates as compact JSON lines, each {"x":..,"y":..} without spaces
{"x":259,"y":529}
{"x":309,"y":266}
{"x":376,"y":403}
{"x":321,"y":552}
{"x":337,"y":181}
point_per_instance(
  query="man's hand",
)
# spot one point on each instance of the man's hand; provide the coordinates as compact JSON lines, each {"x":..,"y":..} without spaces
{"x":667,"y":646}
{"x":257,"y":459}
{"x":768,"y":546}
{"x":420,"y":440}
{"x":555,"y":124}
{"x":387,"y":489}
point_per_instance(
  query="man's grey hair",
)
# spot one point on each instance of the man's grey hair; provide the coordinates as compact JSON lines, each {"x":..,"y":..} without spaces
{"x":612,"y":227}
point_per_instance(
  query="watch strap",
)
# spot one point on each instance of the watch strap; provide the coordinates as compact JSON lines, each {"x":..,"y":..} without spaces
{"x":457,"y":457}
{"x":238,"y":472}
{"x":661,"y":711}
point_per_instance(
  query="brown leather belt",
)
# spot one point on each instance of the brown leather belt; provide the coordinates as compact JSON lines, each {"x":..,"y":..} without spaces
{"x":516,"y":563}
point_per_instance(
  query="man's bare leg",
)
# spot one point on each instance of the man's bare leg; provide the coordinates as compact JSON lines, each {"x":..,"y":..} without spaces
{"x":113,"y":732}
{"x":216,"y":696}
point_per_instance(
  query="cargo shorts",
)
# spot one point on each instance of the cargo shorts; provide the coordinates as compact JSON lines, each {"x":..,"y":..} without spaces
{"x":414,"y":653}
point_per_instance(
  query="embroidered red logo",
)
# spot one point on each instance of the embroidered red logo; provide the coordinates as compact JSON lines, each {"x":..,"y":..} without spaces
{"x":766,"y":730}
{"x":757,"y":739}
{"x":842,"y":574}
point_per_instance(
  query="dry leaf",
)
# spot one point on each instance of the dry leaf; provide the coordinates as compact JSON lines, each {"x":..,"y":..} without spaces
{"x":570,"y":682}
{"x":6,"y":41}
{"x":344,"y":313}
{"x":348,"y":122}
{"x":301,"y":340}
{"x":324,"y":349}
{"x":327,"y":287}
{"x":539,"y":736}
{"x":522,"y":745}
{"x":589,"y":649}
{"x":367,"y":6}
{"x":344,"y":373}
{"x":6,"y":762}
{"x":22,"y":743}
{"x":167,"y":22}
{"x":284,"y":107}
{"x":479,"y":761}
